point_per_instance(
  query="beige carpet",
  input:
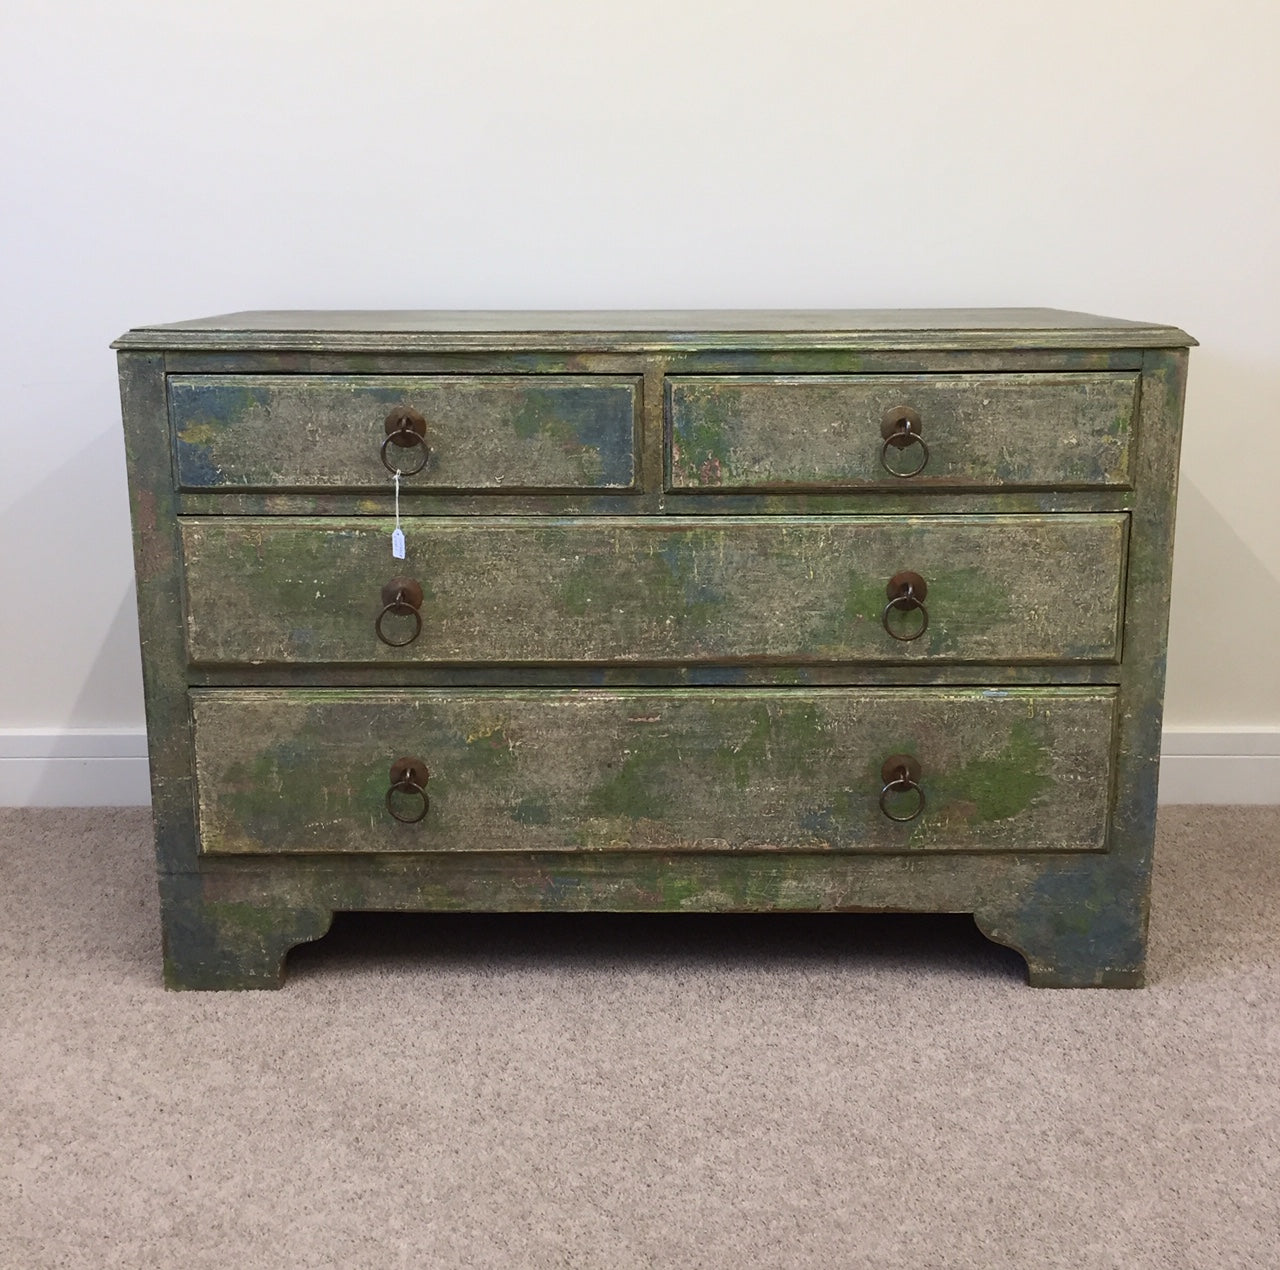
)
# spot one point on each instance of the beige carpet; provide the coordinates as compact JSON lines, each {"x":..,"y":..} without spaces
{"x":596,"y":1092}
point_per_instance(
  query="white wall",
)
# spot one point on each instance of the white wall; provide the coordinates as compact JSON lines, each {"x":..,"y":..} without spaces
{"x":167,"y":160}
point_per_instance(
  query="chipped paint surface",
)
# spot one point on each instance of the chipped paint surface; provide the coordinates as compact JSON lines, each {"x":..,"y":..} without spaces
{"x":325,"y":431}
{"x":760,"y":432}
{"x":659,"y":590}
{"x":776,"y":769}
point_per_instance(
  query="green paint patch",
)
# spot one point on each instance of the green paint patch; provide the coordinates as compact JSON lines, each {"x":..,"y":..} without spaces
{"x":635,"y":790}
{"x":735,"y":761}
{"x":979,"y":600}
{"x":864,"y":601}
{"x":199,"y":433}
{"x":531,"y":811}
{"x":487,"y":754}
{"x":700,"y":440}
{"x":665,"y":577}
{"x":995,"y":788}
{"x":589,"y":585}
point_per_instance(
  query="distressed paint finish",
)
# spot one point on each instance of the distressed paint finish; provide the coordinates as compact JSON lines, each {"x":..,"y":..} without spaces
{"x":1078,"y":917}
{"x":1089,"y":928}
{"x":541,"y":675}
{"x":325,"y":431}
{"x":655,"y":501}
{"x":157,"y":555}
{"x":224,"y":942}
{"x":674,"y":770}
{"x":659,"y":330}
{"x":760,"y":432}
{"x":747,"y":358}
{"x":729,"y":590}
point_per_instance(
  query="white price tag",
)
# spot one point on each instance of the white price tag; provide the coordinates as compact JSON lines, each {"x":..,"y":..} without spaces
{"x":397,"y":534}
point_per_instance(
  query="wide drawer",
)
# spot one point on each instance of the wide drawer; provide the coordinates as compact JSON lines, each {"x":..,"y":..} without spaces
{"x":657,"y":590}
{"x":745,"y":432}
{"x":482,"y":432}
{"x":670,"y":770}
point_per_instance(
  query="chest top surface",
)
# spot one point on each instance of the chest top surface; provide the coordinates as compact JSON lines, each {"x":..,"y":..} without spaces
{"x":338,"y":329}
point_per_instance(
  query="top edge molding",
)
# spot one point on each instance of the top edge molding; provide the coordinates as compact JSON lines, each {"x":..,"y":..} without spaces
{"x":650,"y":330}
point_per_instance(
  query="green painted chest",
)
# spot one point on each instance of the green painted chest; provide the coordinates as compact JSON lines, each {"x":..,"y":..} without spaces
{"x":696,"y":611}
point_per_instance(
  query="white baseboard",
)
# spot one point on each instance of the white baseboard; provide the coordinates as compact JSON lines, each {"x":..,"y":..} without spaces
{"x":1224,"y":765}
{"x":46,"y":767}
{"x":73,"y":767}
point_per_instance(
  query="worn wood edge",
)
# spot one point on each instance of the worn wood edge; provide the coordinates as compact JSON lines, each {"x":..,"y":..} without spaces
{"x":225,"y":942}
{"x":602,"y":881}
{"x":652,"y":500}
{"x":585,"y":676}
{"x":1044,"y":969}
{"x":161,"y":620}
{"x":687,"y":360}
{"x":1049,"y":340}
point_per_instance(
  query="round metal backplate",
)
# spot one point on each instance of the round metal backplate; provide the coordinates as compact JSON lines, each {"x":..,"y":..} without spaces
{"x":891,"y":426}
{"x":899,"y":583}
{"x":408,"y":591}
{"x":896,"y":764}
{"x":409,"y":770}
{"x":405,"y":426}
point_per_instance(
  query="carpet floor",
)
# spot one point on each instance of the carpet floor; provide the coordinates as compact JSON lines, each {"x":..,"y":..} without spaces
{"x":842,"y":1091}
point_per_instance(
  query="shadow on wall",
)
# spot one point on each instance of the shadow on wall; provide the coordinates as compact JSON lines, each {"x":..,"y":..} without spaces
{"x":72,"y":688}
{"x":98,"y":767}
{"x":1226,"y":598}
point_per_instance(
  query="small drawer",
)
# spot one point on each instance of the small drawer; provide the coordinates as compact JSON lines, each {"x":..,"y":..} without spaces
{"x":760,"y":432}
{"x":288,"y":771}
{"x":725,"y":590}
{"x":460,"y":432}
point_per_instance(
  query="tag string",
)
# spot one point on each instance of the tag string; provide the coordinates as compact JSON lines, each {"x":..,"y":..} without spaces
{"x":397,"y":479}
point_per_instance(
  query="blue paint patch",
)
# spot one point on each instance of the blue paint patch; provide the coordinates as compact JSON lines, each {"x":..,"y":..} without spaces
{"x":591,"y":417}
{"x":715,"y":676}
{"x":677,"y":552}
{"x":203,"y":414}
{"x":196,"y":469}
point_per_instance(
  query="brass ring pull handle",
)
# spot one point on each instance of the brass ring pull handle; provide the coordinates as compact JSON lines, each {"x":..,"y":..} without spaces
{"x":900,"y":427}
{"x":402,"y":596}
{"x":906,"y":593}
{"x":409,"y":776}
{"x":405,"y":428}
{"x":901,"y":774}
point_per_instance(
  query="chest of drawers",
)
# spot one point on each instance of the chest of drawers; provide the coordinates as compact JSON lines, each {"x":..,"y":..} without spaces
{"x":807,"y":611}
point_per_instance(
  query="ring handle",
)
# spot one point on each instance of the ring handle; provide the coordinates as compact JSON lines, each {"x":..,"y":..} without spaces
{"x":409,"y":776}
{"x":405,"y":428}
{"x":906,"y":593}
{"x":402,"y":596}
{"x":900,"y":426}
{"x":901,"y":773}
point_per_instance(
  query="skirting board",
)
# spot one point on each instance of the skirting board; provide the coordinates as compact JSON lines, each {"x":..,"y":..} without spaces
{"x":1225,"y":765}
{"x":73,"y":767}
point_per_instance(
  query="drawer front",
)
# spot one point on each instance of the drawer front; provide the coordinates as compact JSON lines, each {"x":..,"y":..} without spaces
{"x":744,"y":432}
{"x":666,"y":770}
{"x":660,"y":591}
{"x":483,"y":432}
